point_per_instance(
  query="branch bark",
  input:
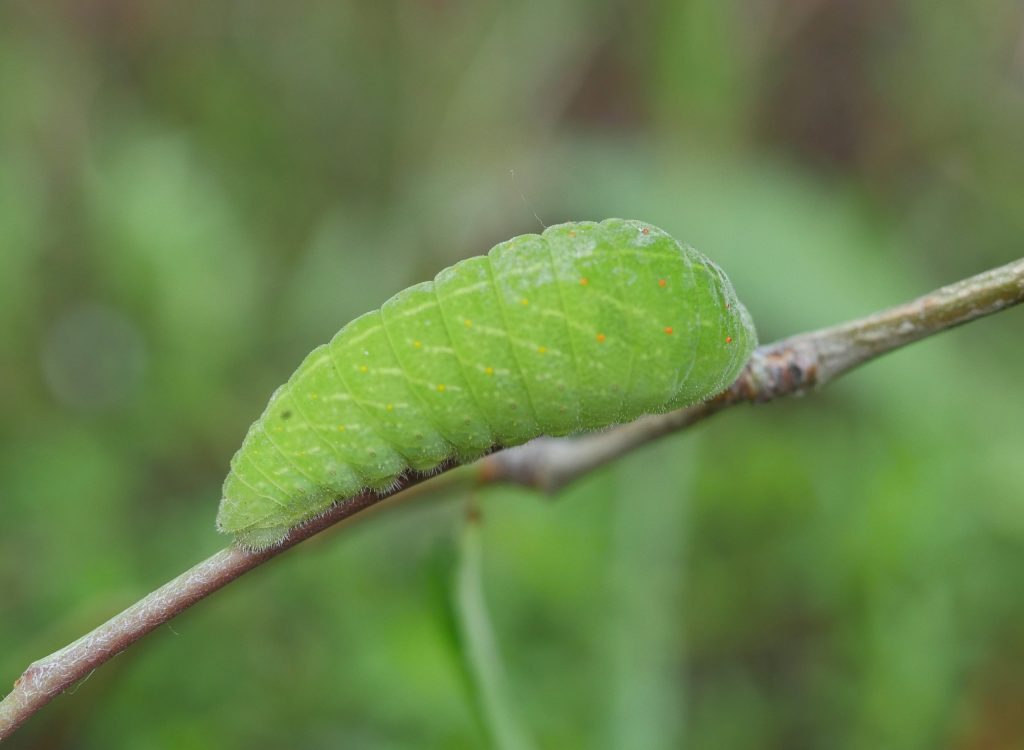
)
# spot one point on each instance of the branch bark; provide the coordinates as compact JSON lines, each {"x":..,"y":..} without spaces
{"x":792,"y":366}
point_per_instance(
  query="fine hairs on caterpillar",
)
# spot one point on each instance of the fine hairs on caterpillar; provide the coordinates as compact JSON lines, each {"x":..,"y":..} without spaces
{"x":584,"y":326}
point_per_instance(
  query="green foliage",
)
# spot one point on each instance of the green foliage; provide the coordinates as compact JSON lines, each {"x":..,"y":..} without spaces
{"x":193,"y":197}
{"x":477,"y":644}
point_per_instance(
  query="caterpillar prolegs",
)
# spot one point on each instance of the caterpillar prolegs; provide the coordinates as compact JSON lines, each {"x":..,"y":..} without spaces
{"x":584,"y":326}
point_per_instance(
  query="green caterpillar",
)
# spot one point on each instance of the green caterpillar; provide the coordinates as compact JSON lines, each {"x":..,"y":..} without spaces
{"x":584,"y":326}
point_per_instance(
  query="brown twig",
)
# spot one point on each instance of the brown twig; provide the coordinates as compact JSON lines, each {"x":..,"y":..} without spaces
{"x":792,"y":366}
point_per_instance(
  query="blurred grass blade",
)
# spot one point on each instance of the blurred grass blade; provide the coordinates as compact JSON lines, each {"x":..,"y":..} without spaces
{"x":479,"y":648}
{"x":644,"y":643}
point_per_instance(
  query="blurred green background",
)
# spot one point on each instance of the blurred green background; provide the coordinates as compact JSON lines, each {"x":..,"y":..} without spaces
{"x":193,"y":195}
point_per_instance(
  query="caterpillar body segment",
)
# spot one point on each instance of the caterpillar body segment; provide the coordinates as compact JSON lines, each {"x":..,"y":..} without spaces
{"x":584,"y":326}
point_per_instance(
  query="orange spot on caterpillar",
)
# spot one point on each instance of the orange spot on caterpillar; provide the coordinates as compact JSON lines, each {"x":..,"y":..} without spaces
{"x":441,"y":387}
{"x":524,"y":301}
{"x":600,"y":338}
{"x":668,"y":330}
{"x":572,"y":232}
{"x":662,"y":283}
{"x":489,"y":370}
{"x":584,"y":282}
{"x":645,"y":230}
{"x":541,"y":349}
{"x":728,"y":339}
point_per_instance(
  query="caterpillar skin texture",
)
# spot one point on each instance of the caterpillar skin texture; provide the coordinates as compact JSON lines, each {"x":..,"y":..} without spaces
{"x":584,"y":326}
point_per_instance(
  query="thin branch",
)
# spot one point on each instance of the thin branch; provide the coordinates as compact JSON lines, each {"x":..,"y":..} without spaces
{"x":788,"y":367}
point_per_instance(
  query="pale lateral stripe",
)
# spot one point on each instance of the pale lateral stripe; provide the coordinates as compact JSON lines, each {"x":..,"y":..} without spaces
{"x":622,"y":305}
{"x":317,"y":363}
{"x":584,"y":328}
{"x":433,"y":386}
{"x":430,"y":385}
{"x":305,"y":417}
{"x":289,"y":458}
{"x":333,"y":427}
{"x":364,"y":334}
{"x":495,"y":371}
{"x":506,"y":274}
{"x":524,"y":343}
{"x":395,"y":405}
{"x":490,"y":330}
{"x":336,"y":396}
{"x":258,"y":493}
{"x":468,"y":289}
{"x":417,"y":310}
{"x":259,"y":469}
{"x":637,"y":312}
{"x":533,"y":346}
